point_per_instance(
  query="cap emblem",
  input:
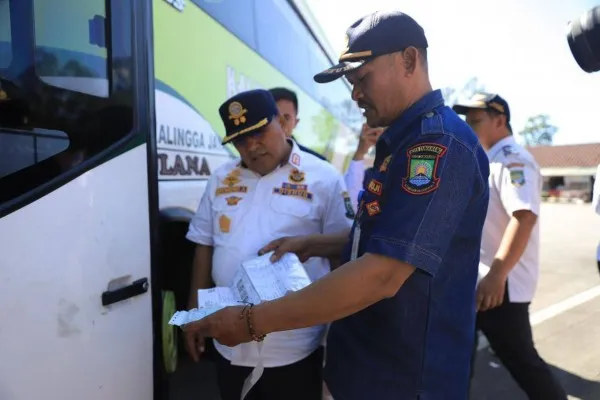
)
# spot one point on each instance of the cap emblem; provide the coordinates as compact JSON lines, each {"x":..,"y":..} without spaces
{"x":236,"y":113}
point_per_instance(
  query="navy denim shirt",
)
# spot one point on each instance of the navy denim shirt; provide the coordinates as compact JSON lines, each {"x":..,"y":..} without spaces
{"x":425,"y":205}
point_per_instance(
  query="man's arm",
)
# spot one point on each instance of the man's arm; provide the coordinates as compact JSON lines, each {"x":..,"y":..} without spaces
{"x":201,"y":273}
{"x":351,"y":288}
{"x":514,"y":242}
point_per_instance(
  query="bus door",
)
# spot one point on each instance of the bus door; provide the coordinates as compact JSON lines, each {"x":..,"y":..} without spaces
{"x":75,"y":256}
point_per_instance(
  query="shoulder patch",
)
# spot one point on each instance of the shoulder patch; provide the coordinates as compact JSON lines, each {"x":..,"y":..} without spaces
{"x":517,"y":177}
{"x":348,"y":204}
{"x":423,"y":160}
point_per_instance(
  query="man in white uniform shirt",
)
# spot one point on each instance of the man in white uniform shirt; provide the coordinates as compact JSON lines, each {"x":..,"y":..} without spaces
{"x":275,"y":190}
{"x":509,"y":263}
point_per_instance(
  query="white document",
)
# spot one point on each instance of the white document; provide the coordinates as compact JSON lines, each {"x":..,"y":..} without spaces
{"x":256,"y":280}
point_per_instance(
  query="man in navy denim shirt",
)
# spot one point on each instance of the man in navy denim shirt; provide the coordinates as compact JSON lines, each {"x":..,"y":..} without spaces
{"x":403,"y":302}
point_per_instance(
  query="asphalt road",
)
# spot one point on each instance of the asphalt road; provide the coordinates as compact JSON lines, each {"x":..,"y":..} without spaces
{"x":565,"y":312}
{"x":565,"y":315}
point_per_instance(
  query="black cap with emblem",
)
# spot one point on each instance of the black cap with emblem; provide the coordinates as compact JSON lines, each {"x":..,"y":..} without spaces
{"x":374,"y":35}
{"x":247,"y":113}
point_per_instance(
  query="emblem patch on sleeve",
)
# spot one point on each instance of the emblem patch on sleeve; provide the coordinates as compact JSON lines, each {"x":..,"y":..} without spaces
{"x":423,"y":160}
{"x":517,"y":177}
{"x":348,"y":204}
{"x":373,"y":208}
{"x":375,"y":187}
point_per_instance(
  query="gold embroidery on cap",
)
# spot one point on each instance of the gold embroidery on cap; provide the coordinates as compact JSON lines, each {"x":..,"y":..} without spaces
{"x":236,"y":113}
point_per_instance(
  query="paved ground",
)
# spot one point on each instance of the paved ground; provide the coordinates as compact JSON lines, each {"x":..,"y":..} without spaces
{"x":567,"y":333}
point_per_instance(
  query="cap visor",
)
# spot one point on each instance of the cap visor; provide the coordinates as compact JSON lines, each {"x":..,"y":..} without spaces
{"x":335,"y":72}
{"x":465,"y":107}
{"x":248,"y":131}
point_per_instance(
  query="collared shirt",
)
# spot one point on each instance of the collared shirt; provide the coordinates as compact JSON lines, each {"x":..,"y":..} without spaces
{"x":425,"y":205}
{"x":354,"y":178}
{"x":515,"y":184}
{"x":241,"y":212}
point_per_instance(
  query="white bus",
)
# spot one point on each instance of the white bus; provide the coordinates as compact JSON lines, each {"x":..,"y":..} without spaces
{"x":109,"y":130}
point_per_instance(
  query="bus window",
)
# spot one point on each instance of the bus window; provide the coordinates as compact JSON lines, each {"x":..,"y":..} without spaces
{"x":74,"y":59}
{"x":65,"y":94}
{"x":5,"y":51}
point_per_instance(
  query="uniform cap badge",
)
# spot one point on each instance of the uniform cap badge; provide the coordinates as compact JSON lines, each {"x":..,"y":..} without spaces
{"x":236,"y":113}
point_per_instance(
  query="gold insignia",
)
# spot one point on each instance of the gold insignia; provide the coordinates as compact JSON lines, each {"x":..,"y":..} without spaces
{"x":224,"y":223}
{"x":296,"y":176}
{"x":236,"y":113}
{"x":385,"y":163}
{"x":233,"y":200}
{"x":230,"y":181}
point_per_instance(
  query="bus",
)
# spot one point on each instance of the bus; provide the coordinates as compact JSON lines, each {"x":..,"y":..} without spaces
{"x":109,"y":130}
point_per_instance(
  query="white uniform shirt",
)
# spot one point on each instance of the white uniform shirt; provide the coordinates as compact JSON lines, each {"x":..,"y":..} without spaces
{"x":354,"y":180}
{"x":241,"y":212}
{"x":515,"y":184}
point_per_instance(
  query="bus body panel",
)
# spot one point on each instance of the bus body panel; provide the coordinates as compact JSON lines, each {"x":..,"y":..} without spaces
{"x":59,"y":254}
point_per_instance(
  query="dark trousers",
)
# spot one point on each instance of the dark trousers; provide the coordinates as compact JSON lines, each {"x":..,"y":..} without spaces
{"x":508,"y":331}
{"x":302,"y":380}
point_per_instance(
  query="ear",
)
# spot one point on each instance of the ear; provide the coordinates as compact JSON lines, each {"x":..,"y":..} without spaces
{"x":282,"y":124}
{"x":409,"y":59}
{"x":297,"y":122}
{"x":501,"y":121}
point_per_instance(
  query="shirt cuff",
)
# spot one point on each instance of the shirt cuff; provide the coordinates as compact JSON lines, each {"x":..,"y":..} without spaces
{"x":406,"y":252}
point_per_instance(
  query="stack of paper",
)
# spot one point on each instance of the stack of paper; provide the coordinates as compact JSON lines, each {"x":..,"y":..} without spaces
{"x":257,"y":280}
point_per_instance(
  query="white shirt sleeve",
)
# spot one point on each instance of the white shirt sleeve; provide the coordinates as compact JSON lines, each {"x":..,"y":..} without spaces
{"x":520,"y":186}
{"x":200,"y":230}
{"x":354,"y":180}
{"x":596,"y":197}
{"x":339,"y":214}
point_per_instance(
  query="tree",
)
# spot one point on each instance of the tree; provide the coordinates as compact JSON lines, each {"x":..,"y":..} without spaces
{"x":453,"y":95}
{"x":538,"y":131}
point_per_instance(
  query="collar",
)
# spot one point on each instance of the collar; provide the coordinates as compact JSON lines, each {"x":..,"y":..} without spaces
{"x":296,"y":155}
{"x":506,"y":141}
{"x":425,"y":104}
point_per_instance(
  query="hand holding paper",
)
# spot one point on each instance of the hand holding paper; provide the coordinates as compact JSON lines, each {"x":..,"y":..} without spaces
{"x":218,"y":314}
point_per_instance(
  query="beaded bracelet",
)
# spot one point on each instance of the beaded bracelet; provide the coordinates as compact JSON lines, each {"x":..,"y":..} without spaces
{"x":247,"y":313}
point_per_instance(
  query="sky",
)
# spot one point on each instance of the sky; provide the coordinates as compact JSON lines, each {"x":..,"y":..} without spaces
{"x":516,"y":48}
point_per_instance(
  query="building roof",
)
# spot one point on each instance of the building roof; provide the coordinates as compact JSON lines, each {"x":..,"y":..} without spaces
{"x":567,"y":156}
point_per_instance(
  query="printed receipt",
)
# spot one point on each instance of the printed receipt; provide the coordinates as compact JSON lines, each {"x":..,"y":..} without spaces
{"x":256,"y":280}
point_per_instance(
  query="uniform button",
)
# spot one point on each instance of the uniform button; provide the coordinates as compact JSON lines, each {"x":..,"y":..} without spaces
{"x":429,"y":115}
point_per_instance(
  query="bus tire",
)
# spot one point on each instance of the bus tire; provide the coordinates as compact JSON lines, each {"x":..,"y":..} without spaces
{"x":169,"y":333}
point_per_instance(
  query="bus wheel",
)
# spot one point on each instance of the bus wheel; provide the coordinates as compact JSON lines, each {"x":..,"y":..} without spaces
{"x":169,"y":333}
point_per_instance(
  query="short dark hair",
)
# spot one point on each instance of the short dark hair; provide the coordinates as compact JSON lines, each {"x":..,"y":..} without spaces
{"x":280,"y":93}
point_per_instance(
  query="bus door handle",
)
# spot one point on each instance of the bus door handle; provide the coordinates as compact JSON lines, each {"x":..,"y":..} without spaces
{"x":134,"y":289}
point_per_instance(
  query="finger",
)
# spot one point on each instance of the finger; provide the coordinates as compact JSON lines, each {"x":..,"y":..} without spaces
{"x":487,"y":302}
{"x":190,"y":346}
{"x":277,"y":254}
{"x":270,"y":247}
{"x":200,"y":344}
{"x":201,"y":327}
